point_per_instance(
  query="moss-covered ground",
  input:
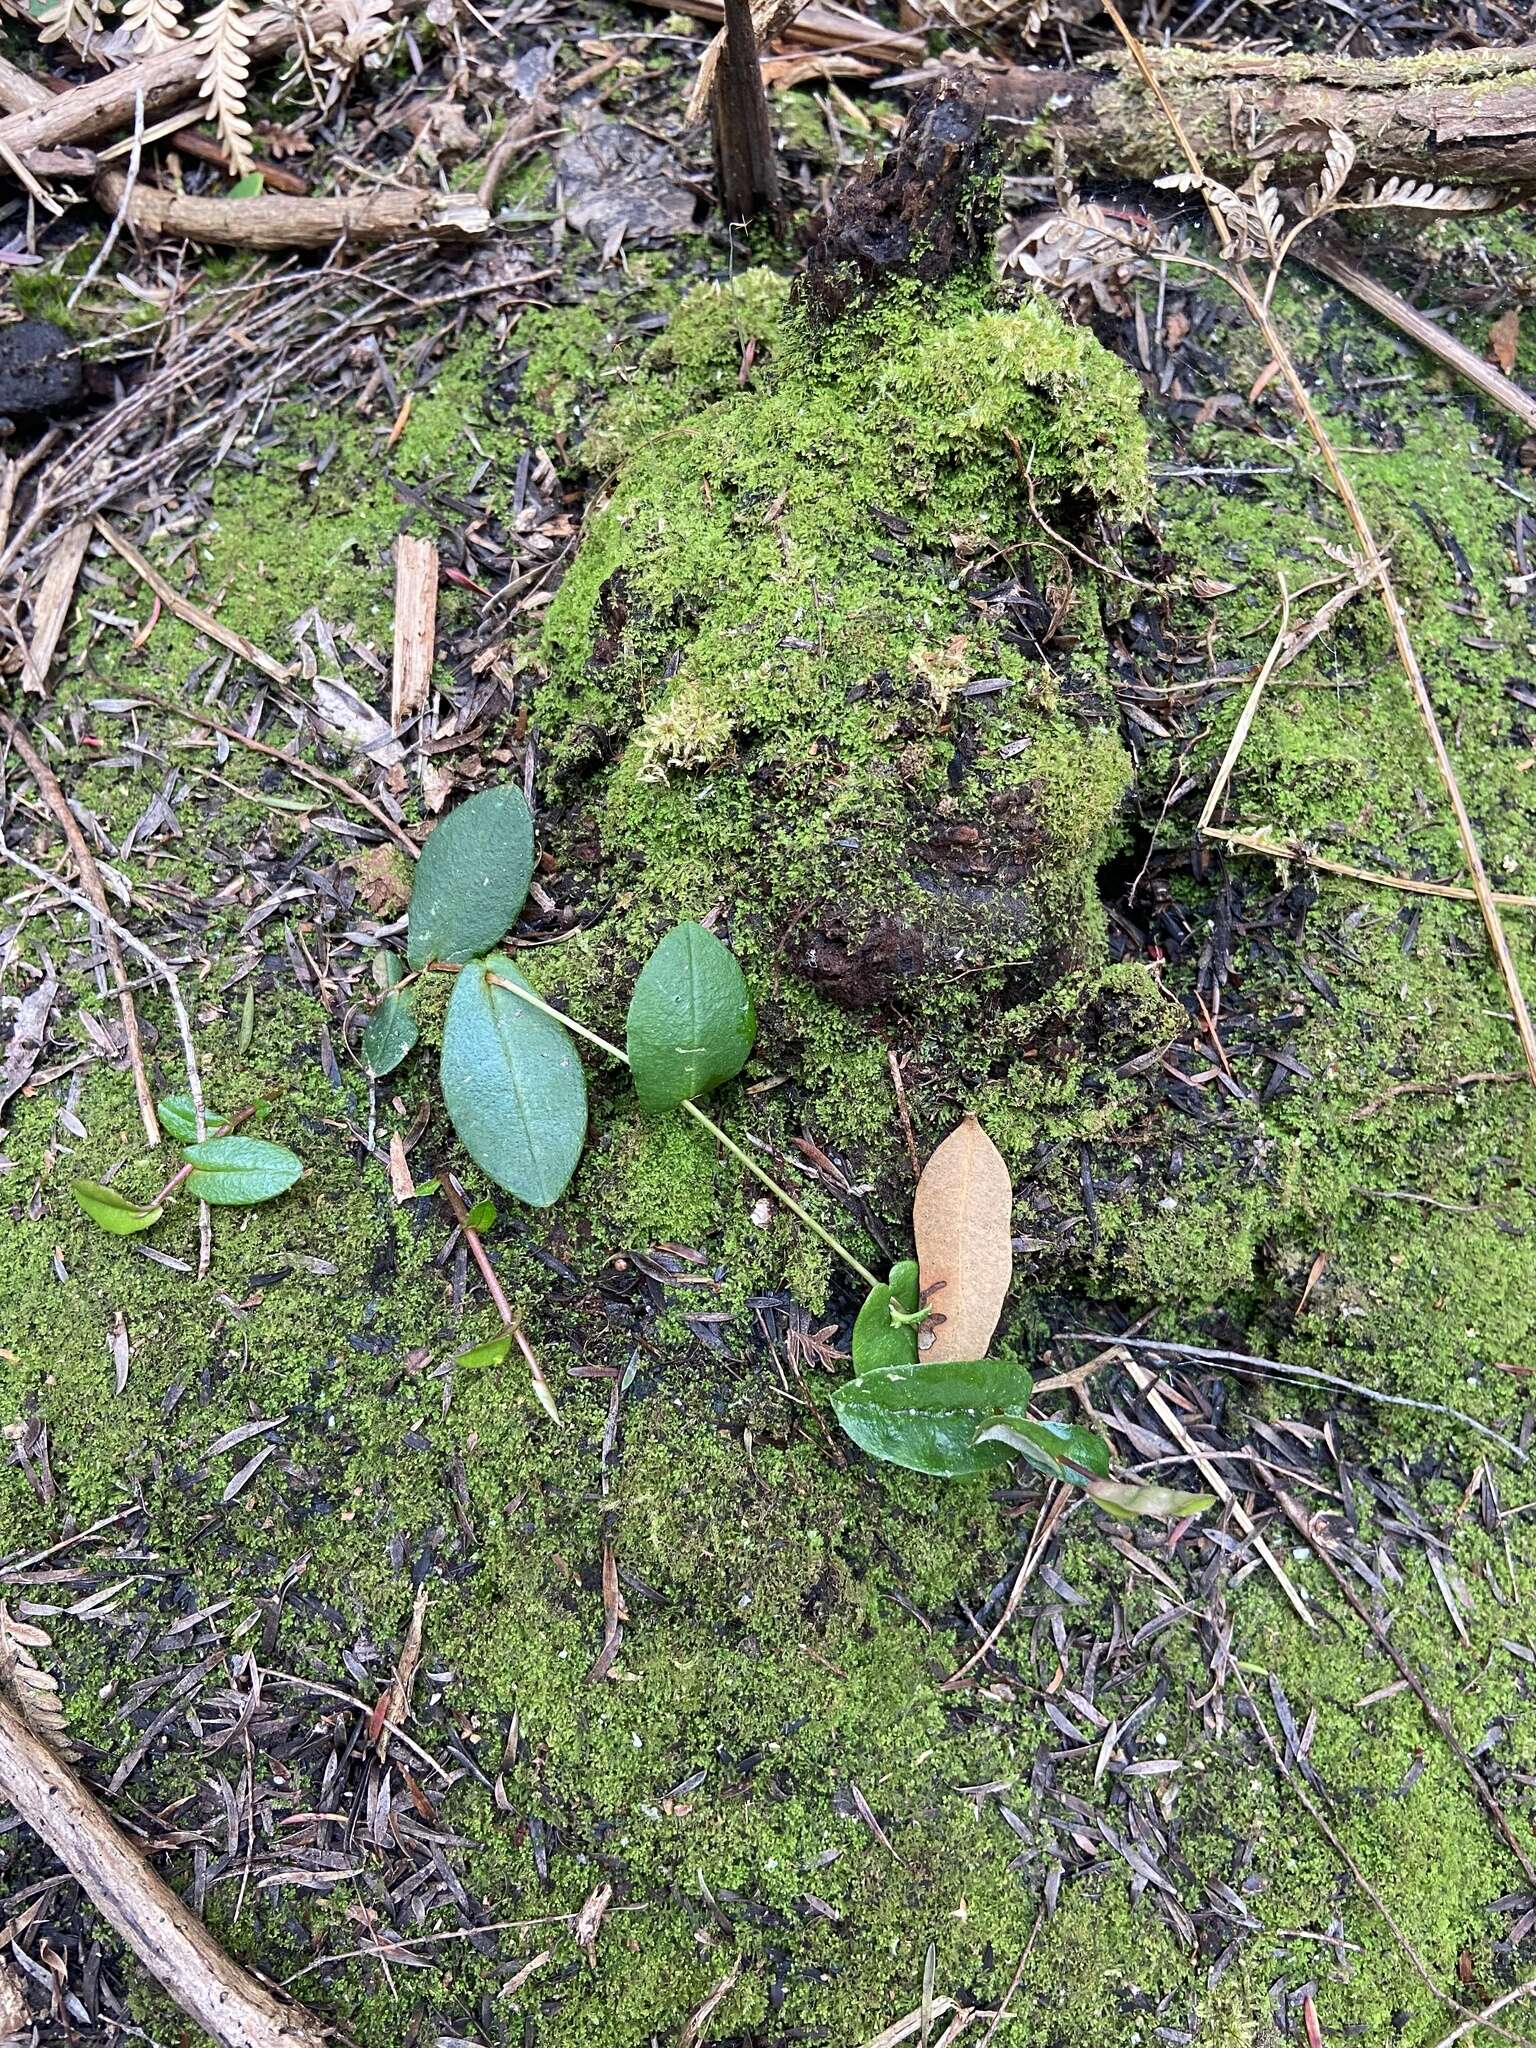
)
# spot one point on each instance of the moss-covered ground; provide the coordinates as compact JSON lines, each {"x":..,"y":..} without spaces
{"x":757,"y":690}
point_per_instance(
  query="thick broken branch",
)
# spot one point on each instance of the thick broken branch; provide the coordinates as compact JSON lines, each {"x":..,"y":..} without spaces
{"x":167,"y":1937}
{"x":1455,"y":118}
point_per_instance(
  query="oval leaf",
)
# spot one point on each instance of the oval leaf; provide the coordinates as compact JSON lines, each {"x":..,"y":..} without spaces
{"x":472,"y":879}
{"x":491,"y":1352}
{"x":513,"y":1085}
{"x":1058,"y":1449}
{"x":231,"y":1172}
{"x":962,"y":1219}
{"x":178,"y":1117}
{"x":388,"y":1035}
{"x":927,"y":1417}
{"x":877,"y":1339}
{"x":1126,"y":1503}
{"x":114,"y":1212}
{"x":691,"y":1022}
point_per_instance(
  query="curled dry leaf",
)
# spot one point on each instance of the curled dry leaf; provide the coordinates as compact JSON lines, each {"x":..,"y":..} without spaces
{"x":962,"y":1219}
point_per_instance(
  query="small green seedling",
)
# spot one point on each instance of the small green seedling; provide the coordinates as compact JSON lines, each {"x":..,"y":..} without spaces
{"x":229,"y":1171}
{"x":510,"y":1071}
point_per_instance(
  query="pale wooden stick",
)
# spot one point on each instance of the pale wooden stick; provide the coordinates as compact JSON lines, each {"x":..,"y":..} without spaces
{"x":193,"y":614}
{"x":415,"y":629}
{"x":1431,"y":337}
{"x":1249,"y":712}
{"x":169,"y":1940}
{"x":276,"y":221}
{"x":51,"y":611}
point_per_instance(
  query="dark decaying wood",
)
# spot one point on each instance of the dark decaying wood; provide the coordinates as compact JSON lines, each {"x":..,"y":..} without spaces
{"x":167,"y":1937}
{"x":928,"y":213}
{"x":1454,"y":118}
{"x":745,"y":164}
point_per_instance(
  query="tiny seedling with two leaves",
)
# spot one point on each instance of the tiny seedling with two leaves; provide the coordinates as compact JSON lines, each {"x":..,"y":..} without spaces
{"x":222,"y":1167}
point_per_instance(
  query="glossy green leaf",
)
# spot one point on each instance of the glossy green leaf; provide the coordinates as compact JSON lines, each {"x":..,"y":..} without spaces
{"x":389,"y":1034}
{"x":472,"y":879}
{"x":482,"y":1217}
{"x":112,"y":1211}
{"x":178,"y":1118}
{"x":1127,"y":1503}
{"x":927,"y":1417}
{"x":231,"y":1172}
{"x":877,"y":1338}
{"x":691,"y":1022}
{"x":491,"y":1352}
{"x":513,"y":1085}
{"x":1058,"y":1449}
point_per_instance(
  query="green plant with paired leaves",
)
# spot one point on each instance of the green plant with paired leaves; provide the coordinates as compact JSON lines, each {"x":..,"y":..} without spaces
{"x":222,"y":1168}
{"x":959,"y":1419}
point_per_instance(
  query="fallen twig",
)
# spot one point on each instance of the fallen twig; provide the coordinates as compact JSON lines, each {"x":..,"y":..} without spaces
{"x":1382,"y":878}
{"x":168,"y":1939}
{"x":481,"y":1257}
{"x":273,"y":221}
{"x":320,"y":777}
{"x":52,"y":793}
{"x":193,"y":614}
{"x":51,"y":609}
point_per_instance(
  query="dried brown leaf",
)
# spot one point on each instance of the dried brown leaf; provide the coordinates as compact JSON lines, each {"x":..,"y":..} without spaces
{"x":962,"y":1220}
{"x":1504,"y":340}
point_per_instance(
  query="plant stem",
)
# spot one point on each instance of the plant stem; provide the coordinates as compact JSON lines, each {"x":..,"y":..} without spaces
{"x":229,"y":1124}
{"x":616,"y":1052}
{"x":482,"y":1259}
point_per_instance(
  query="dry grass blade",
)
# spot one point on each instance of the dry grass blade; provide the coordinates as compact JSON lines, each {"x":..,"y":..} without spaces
{"x":1237,"y":278}
{"x":1381,"y":878}
{"x":34,"y":1690}
{"x":1249,"y":712}
{"x":51,"y":611}
{"x":95,"y":900}
{"x":193,"y":614}
{"x":962,"y":1220}
{"x":696,"y":2022}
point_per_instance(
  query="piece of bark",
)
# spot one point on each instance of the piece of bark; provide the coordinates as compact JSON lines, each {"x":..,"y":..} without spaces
{"x":415,"y":629}
{"x":51,"y":610}
{"x":746,"y":168}
{"x":167,"y":1937}
{"x":1453,"y":117}
{"x":274,"y":221}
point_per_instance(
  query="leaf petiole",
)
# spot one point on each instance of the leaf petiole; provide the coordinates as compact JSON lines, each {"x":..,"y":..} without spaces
{"x":742,"y":1157}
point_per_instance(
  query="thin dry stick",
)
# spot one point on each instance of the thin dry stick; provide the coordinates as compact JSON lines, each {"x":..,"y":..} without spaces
{"x":320,"y":777}
{"x":1146,"y":1383}
{"x":1481,"y":2019}
{"x":1237,"y":279}
{"x":162,"y":967}
{"x":1040,"y":1535}
{"x":482,"y":1259}
{"x":1250,"y":710}
{"x":52,"y":793}
{"x":193,"y":614}
{"x":1432,"y":1712}
{"x":1430,"y":336}
{"x":1292,"y":849}
{"x":1331,"y":1836}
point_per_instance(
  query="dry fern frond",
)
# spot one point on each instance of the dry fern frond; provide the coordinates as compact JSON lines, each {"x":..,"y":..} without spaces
{"x":152,"y":25}
{"x":1425,"y":197}
{"x":70,"y":21}
{"x":1338,"y":162}
{"x":223,"y":37}
{"x":34,"y":1691}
